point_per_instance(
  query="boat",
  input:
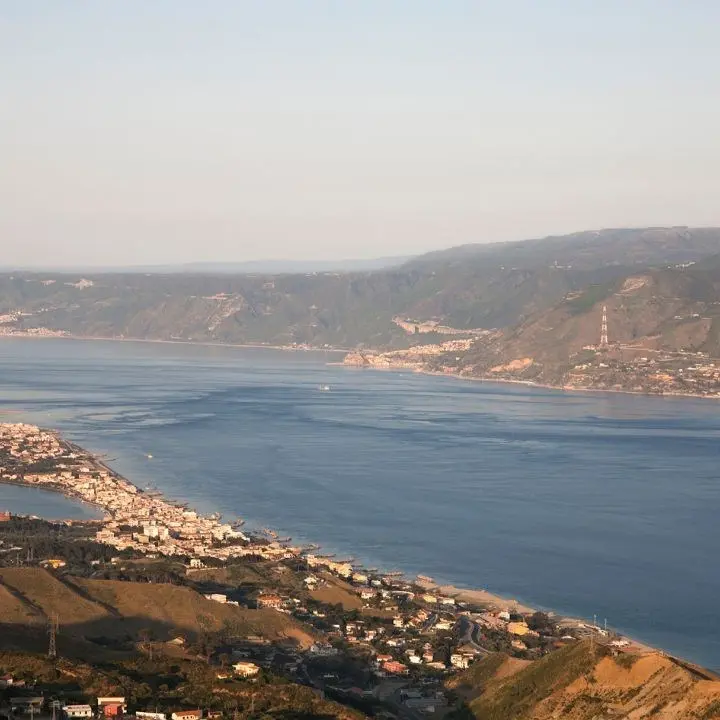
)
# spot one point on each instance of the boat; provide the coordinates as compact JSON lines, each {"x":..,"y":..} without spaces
{"x":324,"y":388}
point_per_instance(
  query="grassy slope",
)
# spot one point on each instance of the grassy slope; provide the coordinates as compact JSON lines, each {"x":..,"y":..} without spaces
{"x":41,"y":590}
{"x":114,"y":609}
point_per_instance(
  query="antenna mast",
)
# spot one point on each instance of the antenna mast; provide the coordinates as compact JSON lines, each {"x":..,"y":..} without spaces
{"x":603,"y":329}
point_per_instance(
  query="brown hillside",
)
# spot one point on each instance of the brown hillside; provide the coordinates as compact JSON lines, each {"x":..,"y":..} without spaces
{"x":180,"y":608}
{"x":673,"y":309}
{"x":42,"y":590}
{"x":584,"y":682}
{"x":14,"y":610}
{"x":93,"y":608}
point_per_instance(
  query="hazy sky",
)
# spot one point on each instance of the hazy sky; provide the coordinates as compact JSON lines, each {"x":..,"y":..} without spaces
{"x":149,"y":131}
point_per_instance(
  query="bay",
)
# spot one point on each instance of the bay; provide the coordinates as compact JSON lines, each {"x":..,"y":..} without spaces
{"x":585,"y":504}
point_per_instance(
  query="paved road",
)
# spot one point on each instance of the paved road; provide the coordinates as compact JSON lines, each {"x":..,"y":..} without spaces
{"x":471,"y":634}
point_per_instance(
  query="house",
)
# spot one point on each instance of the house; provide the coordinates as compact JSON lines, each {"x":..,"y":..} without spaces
{"x":270,"y":601}
{"x":195,"y":563}
{"x":323,"y":649}
{"x":7,"y":681}
{"x":54,"y":563}
{"x":246,"y":669}
{"x":395,"y":668}
{"x":459,"y":660}
{"x":111,"y":706}
{"x":187,"y":715}
{"x":520,"y":628}
{"x":26,"y":705}
{"x":437,"y":665}
{"x":150,"y":716}
{"x":77,"y":711}
{"x":217,"y":597}
{"x":4,"y":516}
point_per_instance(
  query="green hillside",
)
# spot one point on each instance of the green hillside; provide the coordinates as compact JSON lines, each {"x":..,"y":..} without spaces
{"x":475,"y":286}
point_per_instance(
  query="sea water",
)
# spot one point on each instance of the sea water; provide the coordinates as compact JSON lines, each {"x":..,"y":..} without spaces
{"x":586,"y":504}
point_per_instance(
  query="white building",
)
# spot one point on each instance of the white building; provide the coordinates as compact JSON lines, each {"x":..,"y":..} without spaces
{"x":246,"y":669}
{"x":77,"y":711}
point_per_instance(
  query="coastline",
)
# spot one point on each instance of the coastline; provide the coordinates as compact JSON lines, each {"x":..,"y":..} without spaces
{"x":339,"y":350}
{"x":526,"y":383}
{"x":278,"y":550}
{"x":158,"y":341}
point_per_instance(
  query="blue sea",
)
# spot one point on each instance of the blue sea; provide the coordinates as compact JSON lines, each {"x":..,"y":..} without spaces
{"x":586,"y":504}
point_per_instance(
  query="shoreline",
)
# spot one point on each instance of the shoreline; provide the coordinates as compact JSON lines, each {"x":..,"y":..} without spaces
{"x":277,"y":550}
{"x":199,"y":343}
{"x":527,"y":383}
{"x":339,"y":350}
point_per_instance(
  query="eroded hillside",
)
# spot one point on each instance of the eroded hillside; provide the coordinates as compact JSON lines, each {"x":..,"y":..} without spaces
{"x":586,"y":681}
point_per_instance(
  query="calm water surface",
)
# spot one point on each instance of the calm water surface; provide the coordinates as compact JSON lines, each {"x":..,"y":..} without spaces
{"x":585,"y":504}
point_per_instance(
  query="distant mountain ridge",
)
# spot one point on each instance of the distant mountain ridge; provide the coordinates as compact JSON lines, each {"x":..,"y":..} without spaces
{"x":497,"y":286}
{"x":264,"y":267}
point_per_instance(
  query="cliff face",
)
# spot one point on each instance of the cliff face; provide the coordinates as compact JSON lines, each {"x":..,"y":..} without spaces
{"x":586,"y":682}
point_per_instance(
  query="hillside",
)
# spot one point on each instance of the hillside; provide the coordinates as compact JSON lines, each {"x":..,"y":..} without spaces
{"x":663,"y":336}
{"x":477,"y":286}
{"x":586,"y":682}
{"x":88,"y":609}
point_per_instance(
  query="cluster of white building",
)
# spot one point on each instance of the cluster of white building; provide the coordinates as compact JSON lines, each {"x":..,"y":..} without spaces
{"x":136,"y":520}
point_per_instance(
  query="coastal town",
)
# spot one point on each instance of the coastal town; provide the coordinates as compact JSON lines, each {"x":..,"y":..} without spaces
{"x":611,"y":367}
{"x":378,"y":637}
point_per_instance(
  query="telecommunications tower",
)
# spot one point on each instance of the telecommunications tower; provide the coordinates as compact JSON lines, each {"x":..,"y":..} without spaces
{"x":603,"y":329}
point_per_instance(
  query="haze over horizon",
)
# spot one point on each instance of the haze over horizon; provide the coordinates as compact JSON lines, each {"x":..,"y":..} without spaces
{"x":174,"y":132}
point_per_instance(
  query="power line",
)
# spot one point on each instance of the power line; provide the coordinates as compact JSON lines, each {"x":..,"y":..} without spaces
{"x":54,"y":626}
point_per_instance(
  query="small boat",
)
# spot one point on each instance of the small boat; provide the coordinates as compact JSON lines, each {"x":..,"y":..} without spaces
{"x":324,"y":388}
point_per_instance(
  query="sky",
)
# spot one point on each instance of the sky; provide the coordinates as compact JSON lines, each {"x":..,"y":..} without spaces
{"x":176,"y":131}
